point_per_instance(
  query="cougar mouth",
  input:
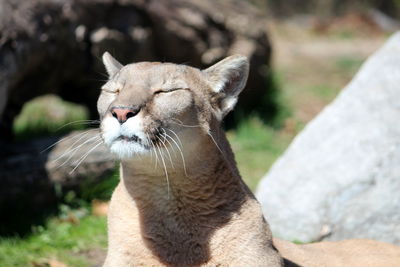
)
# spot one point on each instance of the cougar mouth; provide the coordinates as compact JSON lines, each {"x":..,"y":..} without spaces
{"x":133,"y":138}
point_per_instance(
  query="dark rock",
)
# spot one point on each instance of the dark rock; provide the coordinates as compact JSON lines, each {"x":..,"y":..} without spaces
{"x":34,"y":179}
{"x":49,"y":46}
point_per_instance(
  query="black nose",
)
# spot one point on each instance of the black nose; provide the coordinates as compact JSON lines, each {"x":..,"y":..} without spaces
{"x":122,"y":114}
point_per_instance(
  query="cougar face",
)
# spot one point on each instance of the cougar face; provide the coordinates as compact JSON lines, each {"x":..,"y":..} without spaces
{"x":140,"y":104}
{"x":146,"y":105}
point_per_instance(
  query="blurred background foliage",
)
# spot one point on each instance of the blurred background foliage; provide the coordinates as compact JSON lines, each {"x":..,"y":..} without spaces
{"x":317,"y":47}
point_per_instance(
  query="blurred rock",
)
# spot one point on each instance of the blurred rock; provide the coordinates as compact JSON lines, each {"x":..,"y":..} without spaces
{"x":384,"y":22}
{"x":49,"y":46}
{"x":340,"y":177}
{"x":34,"y":179}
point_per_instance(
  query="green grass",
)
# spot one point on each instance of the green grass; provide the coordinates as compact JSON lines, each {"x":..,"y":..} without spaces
{"x":345,"y":34}
{"x":348,"y":64}
{"x":100,"y":190}
{"x":61,"y":240}
{"x":323,"y":92}
{"x":256,"y":147}
{"x":66,"y":237}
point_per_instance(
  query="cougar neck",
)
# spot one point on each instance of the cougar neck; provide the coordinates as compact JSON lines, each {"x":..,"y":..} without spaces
{"x":179,"y":216}
{"x":206,"y":170}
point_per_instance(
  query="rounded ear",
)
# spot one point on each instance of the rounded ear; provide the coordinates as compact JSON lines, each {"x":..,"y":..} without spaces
{"x":227,"y":79}
{"x":111,"y":64}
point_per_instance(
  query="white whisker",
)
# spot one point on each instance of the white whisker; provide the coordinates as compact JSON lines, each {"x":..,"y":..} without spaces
{"x":177,"y":137}
{"x":180,"y":150}
{"x":169,"y":155}
{"x":165,"y":169}
{"x":69,"y":150}
{"x":184,"y":125}
{"x":212,"y":138}
{"x":79,"y":123}
{"x":73,"y":153}
{"x":166,"y":140}
{"x":85,"y":156}
{"x":66,"y":138}
{"x":149,"y":142}
{"x":155,"y":152}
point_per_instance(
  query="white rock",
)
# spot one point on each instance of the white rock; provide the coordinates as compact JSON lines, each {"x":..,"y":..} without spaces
{"x":340,"y":177}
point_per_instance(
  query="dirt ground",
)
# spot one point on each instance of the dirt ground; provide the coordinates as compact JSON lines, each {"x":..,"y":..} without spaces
{"x":313,"y":66}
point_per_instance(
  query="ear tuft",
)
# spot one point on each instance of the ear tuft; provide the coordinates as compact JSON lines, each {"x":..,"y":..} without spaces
{"x":111,"y":64}
{"x":227,"y":79}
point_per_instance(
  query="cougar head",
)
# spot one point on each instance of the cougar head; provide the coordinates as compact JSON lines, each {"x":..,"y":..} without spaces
{"x":150,"y":104}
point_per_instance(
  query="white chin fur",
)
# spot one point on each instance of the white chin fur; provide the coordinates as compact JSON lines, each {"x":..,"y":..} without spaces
{"x":111,"y":130}
{"x":125,"y":149}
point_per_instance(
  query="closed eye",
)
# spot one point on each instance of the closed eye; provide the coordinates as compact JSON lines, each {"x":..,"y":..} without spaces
{"x":110,"y":91}
{"x":169,"y":90}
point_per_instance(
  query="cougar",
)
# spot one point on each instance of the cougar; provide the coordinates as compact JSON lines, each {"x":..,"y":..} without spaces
{"x":180,"y":200}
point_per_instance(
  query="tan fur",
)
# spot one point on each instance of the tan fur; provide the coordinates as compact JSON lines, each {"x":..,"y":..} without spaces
{"x":181,"y":200}
{"x":354,"y":253}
